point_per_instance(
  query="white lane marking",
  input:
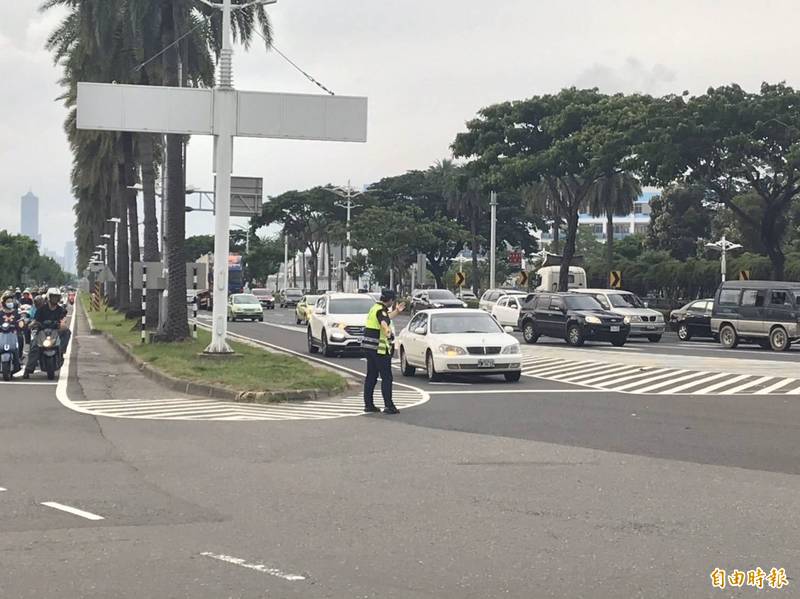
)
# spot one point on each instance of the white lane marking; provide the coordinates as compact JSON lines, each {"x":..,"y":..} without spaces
{"x":29,"y":383}
{"x":778,"y":385}
{"x":668,"y":373}
{"x":583,"y":372}
{"x":516,"y":391}
{"x":3,"y":489}
{"x":710,"y":388}
{"x":667,"y":383}
{"x":72,"y":510}
{"x":754,"y":383}
{"x":456,"y":384}
{"x":285,"y":327}
{"x":618,"y":373}
{"x":63,"y":379}
{"x":691,"y":384}
{"x":257,"y":567}
{"x":564,"y":369}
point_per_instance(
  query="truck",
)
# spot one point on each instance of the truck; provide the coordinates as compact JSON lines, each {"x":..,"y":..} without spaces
{"x":205,"y":297}
{"x":547,"y":275}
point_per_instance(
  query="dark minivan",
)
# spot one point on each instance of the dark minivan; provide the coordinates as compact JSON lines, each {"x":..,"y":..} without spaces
{"x":763,"y":312}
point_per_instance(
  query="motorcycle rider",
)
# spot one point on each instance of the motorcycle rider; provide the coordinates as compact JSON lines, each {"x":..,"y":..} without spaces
{"x":10,"y":314}
{"x":27,"y":298}
{"x":51,"y":311}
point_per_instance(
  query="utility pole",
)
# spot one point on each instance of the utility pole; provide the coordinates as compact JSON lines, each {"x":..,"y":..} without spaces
{"x":723,"y":246}
{"x":493,"y":241}
{"x":348,"y":193}
{"x":285,"y":260}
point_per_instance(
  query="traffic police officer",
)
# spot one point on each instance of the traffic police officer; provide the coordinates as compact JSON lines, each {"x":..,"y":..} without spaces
{"x":378,"y":345}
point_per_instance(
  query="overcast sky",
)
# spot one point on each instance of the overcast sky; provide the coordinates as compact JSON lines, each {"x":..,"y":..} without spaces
{"x":426,"y":66}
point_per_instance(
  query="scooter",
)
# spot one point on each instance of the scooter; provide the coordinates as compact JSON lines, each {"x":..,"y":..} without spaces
{"x":49,"y":342}
{"x":9,"y":351}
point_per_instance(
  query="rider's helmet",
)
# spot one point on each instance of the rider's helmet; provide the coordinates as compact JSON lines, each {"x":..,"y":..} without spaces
{"x":54,"y":295}
{"x":8,"y":298}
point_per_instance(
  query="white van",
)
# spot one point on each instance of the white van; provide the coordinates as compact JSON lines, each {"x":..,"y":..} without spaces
{"x":548,"y":278}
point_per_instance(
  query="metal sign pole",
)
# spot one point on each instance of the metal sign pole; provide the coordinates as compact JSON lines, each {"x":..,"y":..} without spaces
{"x":144,"y":303}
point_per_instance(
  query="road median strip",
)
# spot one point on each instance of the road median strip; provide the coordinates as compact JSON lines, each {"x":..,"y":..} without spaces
{"x":257,"y":377}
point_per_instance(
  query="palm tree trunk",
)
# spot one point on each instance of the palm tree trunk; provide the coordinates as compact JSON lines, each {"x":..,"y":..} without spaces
{"x":177,"y":323}
{"x":556,"y":231}
{"x":151,"y":253}
{"x":130,"y":195}
{"x":569,"y":251}
{"x":609,"y":243}
{"x":474,"y":233}
{"x":123,"y":257}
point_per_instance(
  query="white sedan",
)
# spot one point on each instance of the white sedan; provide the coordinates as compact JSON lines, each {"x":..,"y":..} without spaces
{"x":458,"y":341}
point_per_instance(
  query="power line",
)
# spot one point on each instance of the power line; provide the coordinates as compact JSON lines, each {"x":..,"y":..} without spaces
{"x":177,"y":41}
{"x":291,"y":62}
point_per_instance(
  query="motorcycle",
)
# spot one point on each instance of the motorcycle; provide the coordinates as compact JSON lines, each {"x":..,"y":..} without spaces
{"x":9,"y":351}
{"x":49,"y":342}
{"x":24,"y":321}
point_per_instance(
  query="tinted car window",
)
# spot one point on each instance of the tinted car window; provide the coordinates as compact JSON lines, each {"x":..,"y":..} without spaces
{"x":464,"y":323}
{"x":624,"y":300}
{"x":582,"y":302}
{"x":245,"y":299}
{"x":417,"y":321}
{"x":780,"y":298}
{"x":729,"y":297}
{"x":351,"y":306}
{"x":556,"y":303}
{"x":440,"y":294}
{"x":753,"y":297}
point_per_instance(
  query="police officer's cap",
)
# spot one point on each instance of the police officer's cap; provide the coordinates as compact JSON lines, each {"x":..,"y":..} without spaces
{"x":387,"y":295}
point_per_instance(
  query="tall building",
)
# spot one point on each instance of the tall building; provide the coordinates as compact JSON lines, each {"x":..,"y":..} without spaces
{"x":29,"y":217}
{"x":69,"y":257}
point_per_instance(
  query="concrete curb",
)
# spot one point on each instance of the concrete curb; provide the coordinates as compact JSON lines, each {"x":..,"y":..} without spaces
{"x":207,"y":389}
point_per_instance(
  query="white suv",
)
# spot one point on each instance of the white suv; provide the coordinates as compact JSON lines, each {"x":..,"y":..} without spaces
{"x":645,"y":322}
{"x":336,"y":324}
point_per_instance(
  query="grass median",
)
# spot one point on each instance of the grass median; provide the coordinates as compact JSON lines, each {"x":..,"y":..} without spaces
{"x":255,"y":371}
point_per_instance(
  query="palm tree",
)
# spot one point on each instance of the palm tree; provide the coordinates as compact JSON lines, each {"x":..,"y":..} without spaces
{"x":545,"y":199}
{"x":466,"y":201}
{"x":614,"y":194}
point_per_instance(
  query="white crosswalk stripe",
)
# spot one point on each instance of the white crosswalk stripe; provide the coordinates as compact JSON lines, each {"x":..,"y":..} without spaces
{"x":629,"y":378}
{"x":229,"y":411}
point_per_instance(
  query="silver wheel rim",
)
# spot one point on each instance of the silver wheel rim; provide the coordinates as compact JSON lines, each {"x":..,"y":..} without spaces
{"x":573,"y":335}
{"x":727,"y":337}
{"x":528,"y":332}
{"x":683,"y":332}
{"x":779,"y":338}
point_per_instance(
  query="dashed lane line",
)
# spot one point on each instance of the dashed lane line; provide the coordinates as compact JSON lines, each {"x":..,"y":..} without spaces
{"x":72,"y":510}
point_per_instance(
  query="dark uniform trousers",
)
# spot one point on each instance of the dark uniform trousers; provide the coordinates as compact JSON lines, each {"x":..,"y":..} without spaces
{"x":378,"y":365}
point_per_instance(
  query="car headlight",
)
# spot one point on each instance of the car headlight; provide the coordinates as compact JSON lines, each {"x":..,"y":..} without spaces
{"x":511,"y":349}
{"x":452,"y":350}
{"x":593,"y":320}
{"x":47,"y":343}
{"x":634,"y":318}
{"x":627,"y":320}
{"x":659,"y":317}
{"x":463,"y":304}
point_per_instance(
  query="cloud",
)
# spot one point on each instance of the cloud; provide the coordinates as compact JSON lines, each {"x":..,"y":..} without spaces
{"x":631,"y":76}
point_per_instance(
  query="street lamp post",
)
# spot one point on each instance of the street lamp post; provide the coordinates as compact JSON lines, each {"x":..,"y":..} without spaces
{"x":723,"y":246}
{"x":493,"y":240}
{"x":348,"y":193}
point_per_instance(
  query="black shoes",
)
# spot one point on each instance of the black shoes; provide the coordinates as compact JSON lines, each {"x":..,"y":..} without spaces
{"x":391,"y":410}
{"x":26,"y":375}
{"x":371,"y":409}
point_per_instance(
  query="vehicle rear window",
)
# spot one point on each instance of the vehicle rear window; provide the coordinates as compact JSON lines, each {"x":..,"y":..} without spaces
{"x":729,"y":297}
{"x":260,"y":292}
{"x":440,"y":294}
{"x":245,"y":299}
{"x":780,"y":298}
{"x":351,"y":306}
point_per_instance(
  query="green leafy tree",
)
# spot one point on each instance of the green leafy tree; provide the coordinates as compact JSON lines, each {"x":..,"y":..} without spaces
{"x":265,"y":258}
{"x":678,"y":218}
{"x":731,"y":142}
{"x":199,"y":245}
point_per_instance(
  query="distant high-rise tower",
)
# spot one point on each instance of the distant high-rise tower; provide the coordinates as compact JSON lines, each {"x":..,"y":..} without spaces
{"x":69,"y":257}
{"x":29,"y":217}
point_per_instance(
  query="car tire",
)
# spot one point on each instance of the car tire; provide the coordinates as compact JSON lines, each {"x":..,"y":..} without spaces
{"x":728,"y":337}
{"x":529,"y":332}
{"x":575,"y":335}
{"x":261,"y":319}
{"x":512,"y":377}
{"x":405,"y":368}
{"x":683,"y":332}
{"x":654,"y":338}
{"x":312,"y":349}
{"x":779,"y":339}
{"x":298,"y":321}
{"x":324,"y":347}
{"x":430,"y":369}
{"x":619,"y":340}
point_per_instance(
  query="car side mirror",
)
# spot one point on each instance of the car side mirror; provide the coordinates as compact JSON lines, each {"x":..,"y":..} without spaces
{"x":420,"y":331}
{"x":508,"y":329}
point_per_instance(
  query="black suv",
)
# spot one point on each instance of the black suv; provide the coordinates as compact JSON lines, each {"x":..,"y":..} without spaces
{"x":574,"y":317}
{"x":425,"y":299}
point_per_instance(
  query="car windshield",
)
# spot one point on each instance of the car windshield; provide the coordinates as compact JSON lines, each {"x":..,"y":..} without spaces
{"x":260,"y":292}
{"x":464,"y":323}
{"x":293,"y":293}
{"x":356,"y":305}
{"x":625,"y":300}
{"x":440,"y":294}
{"x":312,"y":299}
{"x":245,"y":299}
{"x":582,"y":302}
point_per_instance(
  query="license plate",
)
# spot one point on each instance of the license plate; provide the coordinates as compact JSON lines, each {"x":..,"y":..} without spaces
{"x":615,"y":329}
{"x":650,"y":328}
{"x":485,"y":363}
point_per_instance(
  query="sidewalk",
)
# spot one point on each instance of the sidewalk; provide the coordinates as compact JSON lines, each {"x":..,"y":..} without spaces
{"x":103,"y":373}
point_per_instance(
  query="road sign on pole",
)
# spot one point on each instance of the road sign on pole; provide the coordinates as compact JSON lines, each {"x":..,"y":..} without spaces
{"x":224,"y":113}
{"x":460,"y":278}
{"x":744,"y":275}
{"x":522,"y":278}
{"x":615,"y":279}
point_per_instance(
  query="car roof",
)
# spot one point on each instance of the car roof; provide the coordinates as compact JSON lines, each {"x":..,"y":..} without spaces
{"x":760,"y":285}
{"x":345,"y":295}
{"x":453,"y":311}
{"x":594,"y":290}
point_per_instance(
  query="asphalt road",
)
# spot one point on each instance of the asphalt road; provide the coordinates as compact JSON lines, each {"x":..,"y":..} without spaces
{"x":536,"y":489}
